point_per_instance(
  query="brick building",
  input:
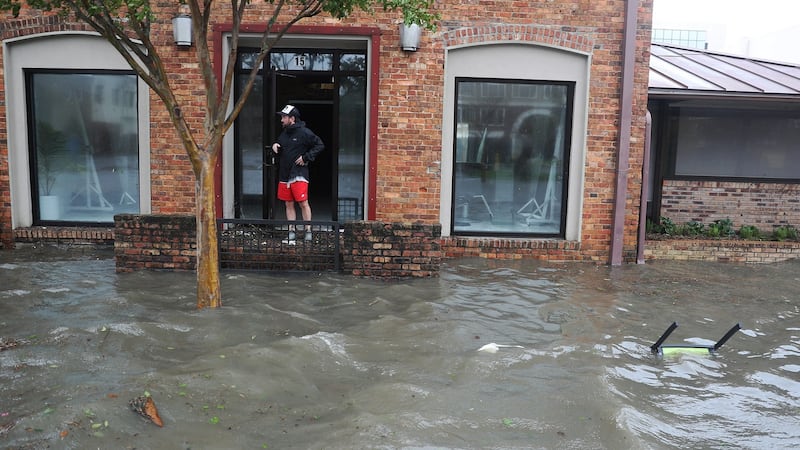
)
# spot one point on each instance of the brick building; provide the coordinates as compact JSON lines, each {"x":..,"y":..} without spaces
{"x":517,"y":126}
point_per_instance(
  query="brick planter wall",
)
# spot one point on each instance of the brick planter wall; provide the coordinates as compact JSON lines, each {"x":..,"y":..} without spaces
{"x":155,"y":242}
{"x":391,"y":250}
{"x":722,"y":250}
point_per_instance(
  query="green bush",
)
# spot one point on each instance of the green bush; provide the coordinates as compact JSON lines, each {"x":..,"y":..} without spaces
{"x":721,"y":228}
{"x":667,"y":225}
{"x":692,"y":228}
{"x":784,"y":233}
{"x":750,"y":232}
{"x":652,"y":227}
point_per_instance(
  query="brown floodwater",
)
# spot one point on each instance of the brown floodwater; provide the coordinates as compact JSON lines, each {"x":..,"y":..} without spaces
{"x":313,"y":361}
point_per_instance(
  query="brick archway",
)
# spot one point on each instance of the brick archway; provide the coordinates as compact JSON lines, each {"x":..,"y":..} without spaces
{"x":34,"y":25}
{"x":548,"y":36}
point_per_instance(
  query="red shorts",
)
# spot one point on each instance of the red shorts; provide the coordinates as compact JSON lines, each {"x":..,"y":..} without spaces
{"x":297,"y":191}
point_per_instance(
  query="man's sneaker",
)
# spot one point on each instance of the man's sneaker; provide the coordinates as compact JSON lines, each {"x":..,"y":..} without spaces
{"x":309,"y":237}
{"x":290,"y":240}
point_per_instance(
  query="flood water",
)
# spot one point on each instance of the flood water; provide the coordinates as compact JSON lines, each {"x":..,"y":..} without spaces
{"x":313,"y":361}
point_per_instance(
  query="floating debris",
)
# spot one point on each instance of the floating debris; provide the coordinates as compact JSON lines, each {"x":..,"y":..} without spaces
{"x":493,"y":348}
{"x":8,"y":344}
{"x":146,"y":407}
{"x":659,"y":349}
{"x":6,"y":427}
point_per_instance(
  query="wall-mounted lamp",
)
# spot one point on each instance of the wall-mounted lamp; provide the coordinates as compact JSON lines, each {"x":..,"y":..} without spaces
{"x":409,"y":37}
{"x":182,"y":27}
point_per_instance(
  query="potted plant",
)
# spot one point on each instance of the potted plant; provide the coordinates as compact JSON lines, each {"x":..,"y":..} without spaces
{"x":51,"y":160}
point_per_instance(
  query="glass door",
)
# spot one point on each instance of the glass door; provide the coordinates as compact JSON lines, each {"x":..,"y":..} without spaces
{"x":329,"y":89}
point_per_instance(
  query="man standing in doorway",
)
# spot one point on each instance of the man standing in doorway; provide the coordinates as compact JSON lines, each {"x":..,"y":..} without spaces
{"x":297,"y":146}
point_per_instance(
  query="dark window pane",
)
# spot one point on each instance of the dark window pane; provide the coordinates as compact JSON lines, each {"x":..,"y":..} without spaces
{"x":247,"y":60}
{"x":250,"y":126}
{"x":353,"y":62}
{"x":737,"y":144}
{"x":352,"y":147}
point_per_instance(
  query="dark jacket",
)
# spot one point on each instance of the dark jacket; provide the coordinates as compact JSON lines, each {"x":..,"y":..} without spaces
{"x":296,"y":140}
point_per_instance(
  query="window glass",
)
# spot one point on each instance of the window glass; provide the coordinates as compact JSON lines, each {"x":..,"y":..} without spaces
{"x":84,"y":145}
{"x":353,"y":62}
{"x":352,"y":147}
{"x":511,"y":140}
{"x":249,"y":160}
{"x":737,"y":144}
{"x":302,"y":61}
{"x":247,"y":60}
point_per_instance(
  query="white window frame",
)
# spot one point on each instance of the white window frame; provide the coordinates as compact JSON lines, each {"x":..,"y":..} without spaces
{"x":62,"y":50}
{"x":521,"y":61}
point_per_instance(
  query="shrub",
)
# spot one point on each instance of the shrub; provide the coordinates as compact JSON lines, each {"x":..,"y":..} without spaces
{"x":750,"y":232}
{"x":667,"y":225}
{"x":720,"y":228}
{"x":652,"y":227}
{"x":692,"y":228}
{"x":784,"y":233}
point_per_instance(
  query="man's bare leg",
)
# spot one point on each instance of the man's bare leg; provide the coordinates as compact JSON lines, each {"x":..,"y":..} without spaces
{"x":305,"y":210}
{"x":290,"y":211}
{"x":291,"y":215}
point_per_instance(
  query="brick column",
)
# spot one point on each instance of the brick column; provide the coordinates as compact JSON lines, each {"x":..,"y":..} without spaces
{"x":154,"y":242}
{"x":391,"y":250}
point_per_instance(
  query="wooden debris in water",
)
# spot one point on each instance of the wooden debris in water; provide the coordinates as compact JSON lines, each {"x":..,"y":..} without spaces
{"x":146,"y":407}
{"x":6,"y":427}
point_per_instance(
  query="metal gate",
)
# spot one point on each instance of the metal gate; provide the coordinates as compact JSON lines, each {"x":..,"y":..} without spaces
{"x":278,"y":245}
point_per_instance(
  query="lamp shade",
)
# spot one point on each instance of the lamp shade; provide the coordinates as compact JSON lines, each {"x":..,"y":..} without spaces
{"x":182,"y":29}
{"x":409,"y":37}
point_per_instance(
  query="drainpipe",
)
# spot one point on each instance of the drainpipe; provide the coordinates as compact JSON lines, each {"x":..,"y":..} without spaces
{"x":648,"y":128}
{"x":626,"y":112}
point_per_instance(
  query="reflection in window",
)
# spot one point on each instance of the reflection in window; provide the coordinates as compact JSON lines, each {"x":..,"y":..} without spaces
{"x":353,"y":62}
{"x":249,"y":160}
{"x":510,"y":147}
{"x":84,"y":142}
{"x":247,"y":60}
{"x":737,"y":143}
{"x":352,"y":147}
{"x":301,"y":61}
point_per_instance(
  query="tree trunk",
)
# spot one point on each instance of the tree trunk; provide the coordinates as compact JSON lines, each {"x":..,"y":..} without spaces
{"x":208,"y":289}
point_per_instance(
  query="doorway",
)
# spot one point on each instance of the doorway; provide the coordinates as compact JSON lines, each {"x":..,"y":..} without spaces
{"x":328,"y":86}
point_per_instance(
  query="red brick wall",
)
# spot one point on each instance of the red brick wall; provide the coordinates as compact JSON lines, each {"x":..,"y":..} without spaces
{"x":409,"y":135}
{"x":764,"y":205}
{"x":544,"y":249}
{"x":409,"y":113}
{"x":391,"y":250}
{"x":155,"y":242}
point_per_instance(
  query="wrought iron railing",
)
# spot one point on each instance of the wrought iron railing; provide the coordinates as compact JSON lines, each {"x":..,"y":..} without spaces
{"x":278,"y":245}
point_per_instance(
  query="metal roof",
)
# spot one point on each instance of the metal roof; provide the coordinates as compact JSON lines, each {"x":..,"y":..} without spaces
{"x":678,"y":71}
